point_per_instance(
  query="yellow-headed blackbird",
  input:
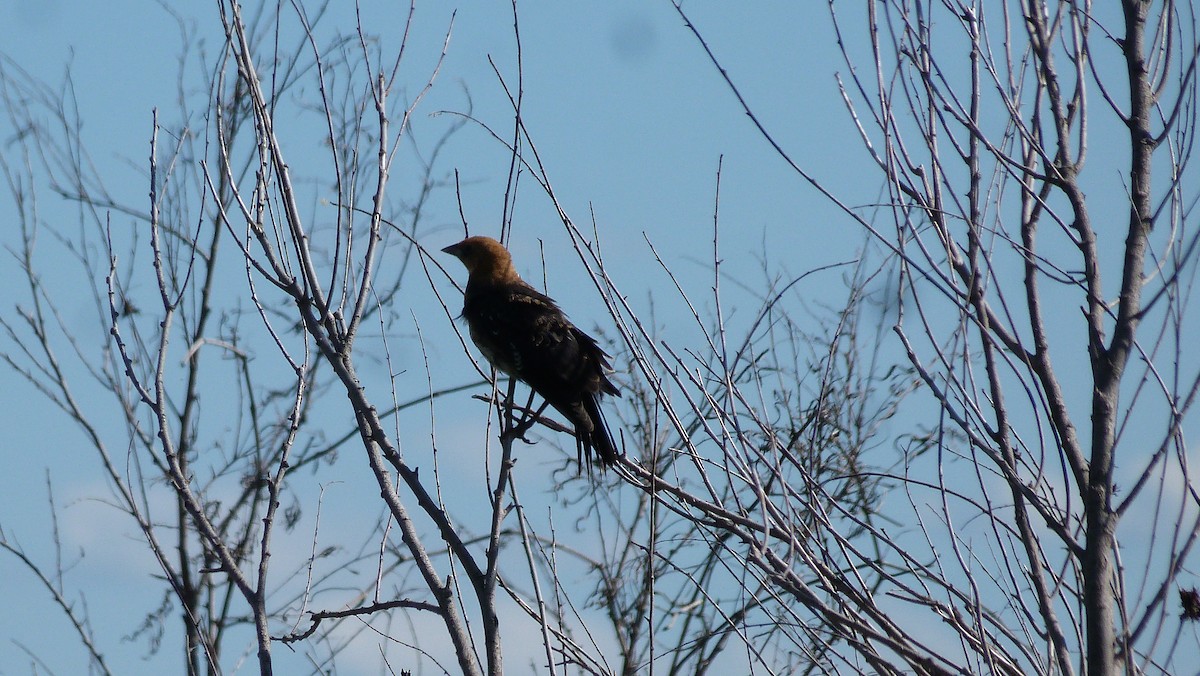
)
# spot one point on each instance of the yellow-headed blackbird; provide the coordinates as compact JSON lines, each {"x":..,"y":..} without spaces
{"x":524,"y":334}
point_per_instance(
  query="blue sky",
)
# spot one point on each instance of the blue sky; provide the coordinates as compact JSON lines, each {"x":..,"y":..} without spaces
{"x":631,"y":121}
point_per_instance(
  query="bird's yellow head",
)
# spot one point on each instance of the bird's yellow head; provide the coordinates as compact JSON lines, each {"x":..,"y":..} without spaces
{"x":484,"y":258}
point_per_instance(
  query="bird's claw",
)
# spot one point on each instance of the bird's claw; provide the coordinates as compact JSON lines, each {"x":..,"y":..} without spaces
{"x":518,"y":431}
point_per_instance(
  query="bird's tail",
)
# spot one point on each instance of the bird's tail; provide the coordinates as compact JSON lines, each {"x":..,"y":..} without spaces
{"x":600,"y":437}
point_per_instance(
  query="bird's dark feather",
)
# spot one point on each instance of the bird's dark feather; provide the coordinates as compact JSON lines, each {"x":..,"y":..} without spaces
{"x":523,"y":333}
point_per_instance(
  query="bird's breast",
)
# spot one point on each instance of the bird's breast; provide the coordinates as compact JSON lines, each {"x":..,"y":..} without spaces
{"x":502,"y":356}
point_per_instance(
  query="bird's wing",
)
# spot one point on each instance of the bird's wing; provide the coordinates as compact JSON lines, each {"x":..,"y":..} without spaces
{"x":524,"y":333}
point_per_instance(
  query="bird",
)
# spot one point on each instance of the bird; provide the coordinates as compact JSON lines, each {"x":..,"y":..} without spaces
{"x":523,"y":333}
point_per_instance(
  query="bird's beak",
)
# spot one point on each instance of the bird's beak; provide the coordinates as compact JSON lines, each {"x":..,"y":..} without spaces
{"x":453,"y":249}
